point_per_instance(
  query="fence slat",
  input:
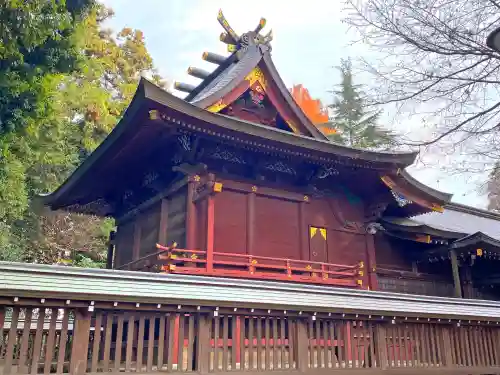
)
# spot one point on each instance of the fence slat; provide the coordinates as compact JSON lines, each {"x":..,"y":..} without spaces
{"x":267,"y":335}
{"x":130,"y":343}
{"x":225,"y":347}
{"x":250,"y":343}
{"x":49,"y":347}
{"x":37,"y":346}
{"x":11,"y":343}
{"x":119,"y":342}
{"x":161,"y":342}
{"x":234,"y":341}
{"x":151,"y":342}
{"x":242,"y":342}
{"x":97,"y":341}
{"x":140,"y":343}
{"x":181,"y":320}
{"x":258,"y":321}
{"x":107,"y":341}
{"x":23,"y":351}
{"x":172,"y":321}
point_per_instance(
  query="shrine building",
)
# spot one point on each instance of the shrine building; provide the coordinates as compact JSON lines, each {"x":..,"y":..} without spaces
{"x":234,"y":180}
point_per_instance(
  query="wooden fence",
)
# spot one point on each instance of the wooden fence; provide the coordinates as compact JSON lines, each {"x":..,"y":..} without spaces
{"x":67,"y":337}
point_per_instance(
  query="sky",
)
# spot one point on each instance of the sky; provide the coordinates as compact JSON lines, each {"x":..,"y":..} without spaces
{"x":309,"y":41}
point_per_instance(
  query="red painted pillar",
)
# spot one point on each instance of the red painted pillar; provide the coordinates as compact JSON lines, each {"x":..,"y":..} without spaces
{"x":175,"y":349}
{"x":348,"y":341}
{"x":237,"y":337}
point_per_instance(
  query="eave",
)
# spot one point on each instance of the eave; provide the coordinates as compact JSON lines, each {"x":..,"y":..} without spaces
{"x":410,"y":226}
{"x":179,"y":115}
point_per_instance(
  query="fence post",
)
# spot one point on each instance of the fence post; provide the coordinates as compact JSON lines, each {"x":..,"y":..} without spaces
{"x":381,"y":346}
{"x":302,"y":341}
{"x":203,"y":346}
{"x":79,"y":350}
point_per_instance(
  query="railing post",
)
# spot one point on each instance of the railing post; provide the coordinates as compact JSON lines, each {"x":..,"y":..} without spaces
{"x":302,"y":341}
{"x":381,"y":346}
{"x":79,"y":350}
{"x":203,"y":344}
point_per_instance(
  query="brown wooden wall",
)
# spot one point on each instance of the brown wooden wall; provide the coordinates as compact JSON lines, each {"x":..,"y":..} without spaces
{"x":230,"y":222}
{"x":343,"y":245}
{"x":392,"y":252}
{"x":400,"y":270}
{"x":124,"y":241}
{"x":282,"y":224}
{"x":277,"y":230}
{"x":176,"y":222}
{"x":162,"y":222}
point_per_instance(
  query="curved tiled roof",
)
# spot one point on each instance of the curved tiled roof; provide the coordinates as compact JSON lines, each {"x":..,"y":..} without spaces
{"x":463,"y":219}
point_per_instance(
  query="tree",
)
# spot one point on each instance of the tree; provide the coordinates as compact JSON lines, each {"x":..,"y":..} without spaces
{"x":35,"y":42}
{"x":433,"y":62}
{"x":91,"y":102}
{"x":37,"y":46}
{"x":81,"y":108}
{"x":355,"y":126}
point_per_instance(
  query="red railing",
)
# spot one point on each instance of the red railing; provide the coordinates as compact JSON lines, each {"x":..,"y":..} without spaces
{"x":173,"y":260}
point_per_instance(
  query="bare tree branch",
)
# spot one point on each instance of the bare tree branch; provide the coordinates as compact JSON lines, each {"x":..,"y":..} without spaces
{"x":434,"y":65}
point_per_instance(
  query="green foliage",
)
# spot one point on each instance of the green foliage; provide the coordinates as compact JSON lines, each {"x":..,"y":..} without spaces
{"x":355,"y":126}
{"x":35,"y":41}
{"x":65,"y":84}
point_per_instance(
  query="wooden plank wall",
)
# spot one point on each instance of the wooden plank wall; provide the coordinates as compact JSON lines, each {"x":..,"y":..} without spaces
{"x":176,"y":221}
{"x":269,"y":222}
{"x":63,"y":340}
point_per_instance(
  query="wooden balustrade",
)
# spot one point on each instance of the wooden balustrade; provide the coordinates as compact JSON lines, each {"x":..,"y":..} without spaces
{"x":173,"y":260}
{"x":78,"y":340}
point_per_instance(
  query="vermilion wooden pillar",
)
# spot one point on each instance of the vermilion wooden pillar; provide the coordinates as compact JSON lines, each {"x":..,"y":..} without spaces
{"x":175,"y":349}
{"x":237,"y":337}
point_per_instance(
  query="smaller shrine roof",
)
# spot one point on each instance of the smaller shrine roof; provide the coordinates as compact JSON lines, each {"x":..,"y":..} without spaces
{"x":475,"y":239}
{"x":462,"y":219}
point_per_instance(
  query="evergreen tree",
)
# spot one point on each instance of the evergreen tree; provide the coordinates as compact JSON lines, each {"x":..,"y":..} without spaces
{"x":354,"y":125}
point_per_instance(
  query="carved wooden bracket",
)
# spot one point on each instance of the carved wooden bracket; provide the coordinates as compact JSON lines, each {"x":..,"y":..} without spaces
{"x":191,"y":170}
{"x":206,"y":187}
